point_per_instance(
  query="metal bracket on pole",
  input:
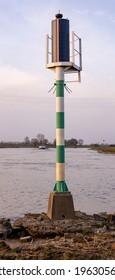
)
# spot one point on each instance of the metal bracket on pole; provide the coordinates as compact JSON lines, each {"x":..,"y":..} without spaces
{"x":67,"y":88}
{"x":54,"y":87}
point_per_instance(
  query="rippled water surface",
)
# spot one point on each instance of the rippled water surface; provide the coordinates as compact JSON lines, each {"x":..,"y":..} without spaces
{"x":28,"y":175}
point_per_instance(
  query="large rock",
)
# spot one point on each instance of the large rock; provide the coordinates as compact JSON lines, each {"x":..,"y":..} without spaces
{"x":5,"y":228}
{"x":40,"y":226}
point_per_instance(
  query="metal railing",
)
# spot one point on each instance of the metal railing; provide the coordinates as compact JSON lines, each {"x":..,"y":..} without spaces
{"x":75,"y":55}
{"x":48,"y":49}
{"x":76,"y":50}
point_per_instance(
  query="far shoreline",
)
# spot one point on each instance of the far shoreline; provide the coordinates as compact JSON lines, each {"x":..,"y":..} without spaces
{"x":104,"y":149}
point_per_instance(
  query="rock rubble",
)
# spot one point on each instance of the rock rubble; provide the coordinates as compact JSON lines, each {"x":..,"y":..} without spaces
{"x":35,"y":236}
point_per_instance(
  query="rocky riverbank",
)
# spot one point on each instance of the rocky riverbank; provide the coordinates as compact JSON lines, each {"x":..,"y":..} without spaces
{"x":34,"y":236}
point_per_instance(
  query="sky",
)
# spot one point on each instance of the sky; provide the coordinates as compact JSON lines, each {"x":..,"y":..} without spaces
{"x":26,"y":107}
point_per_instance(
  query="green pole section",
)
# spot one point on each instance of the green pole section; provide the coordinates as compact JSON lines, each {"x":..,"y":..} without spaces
{"x":60,"y":185}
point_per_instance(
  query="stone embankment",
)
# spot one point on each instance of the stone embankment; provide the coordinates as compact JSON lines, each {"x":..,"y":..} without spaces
{"x":34,"y":237}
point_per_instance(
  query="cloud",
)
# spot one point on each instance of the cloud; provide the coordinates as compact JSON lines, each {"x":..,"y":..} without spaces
{"x":12,"y":77}
{"x":81,"y":12}
{"x":105,"y":15}
{"x":17,"y":85}
{"x":101,"y":13}
{"x":21,"y":87}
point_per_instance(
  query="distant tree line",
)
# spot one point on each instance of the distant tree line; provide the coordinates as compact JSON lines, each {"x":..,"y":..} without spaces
{"x":40,"y":140}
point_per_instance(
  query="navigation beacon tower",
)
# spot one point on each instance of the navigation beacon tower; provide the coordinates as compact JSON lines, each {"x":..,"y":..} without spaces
{"x":61,"y":58}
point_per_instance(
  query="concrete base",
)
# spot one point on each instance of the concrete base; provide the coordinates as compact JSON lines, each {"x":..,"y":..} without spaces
{"x":60,"y":206}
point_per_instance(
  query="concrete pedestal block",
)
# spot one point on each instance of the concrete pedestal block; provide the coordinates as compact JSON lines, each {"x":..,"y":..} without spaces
{"x":60,"y":206}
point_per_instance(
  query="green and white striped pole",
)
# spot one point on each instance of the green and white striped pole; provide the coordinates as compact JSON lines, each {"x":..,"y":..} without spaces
{"x":60,"y":185}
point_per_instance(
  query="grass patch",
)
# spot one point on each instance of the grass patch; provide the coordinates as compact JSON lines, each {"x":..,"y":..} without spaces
{"x":104,"y":149}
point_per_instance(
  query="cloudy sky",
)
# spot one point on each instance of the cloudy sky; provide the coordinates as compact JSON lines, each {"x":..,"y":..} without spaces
{"x":26,"y":107}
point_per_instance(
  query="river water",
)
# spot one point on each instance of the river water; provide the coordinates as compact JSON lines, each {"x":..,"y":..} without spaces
{"x":28,"y":175}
